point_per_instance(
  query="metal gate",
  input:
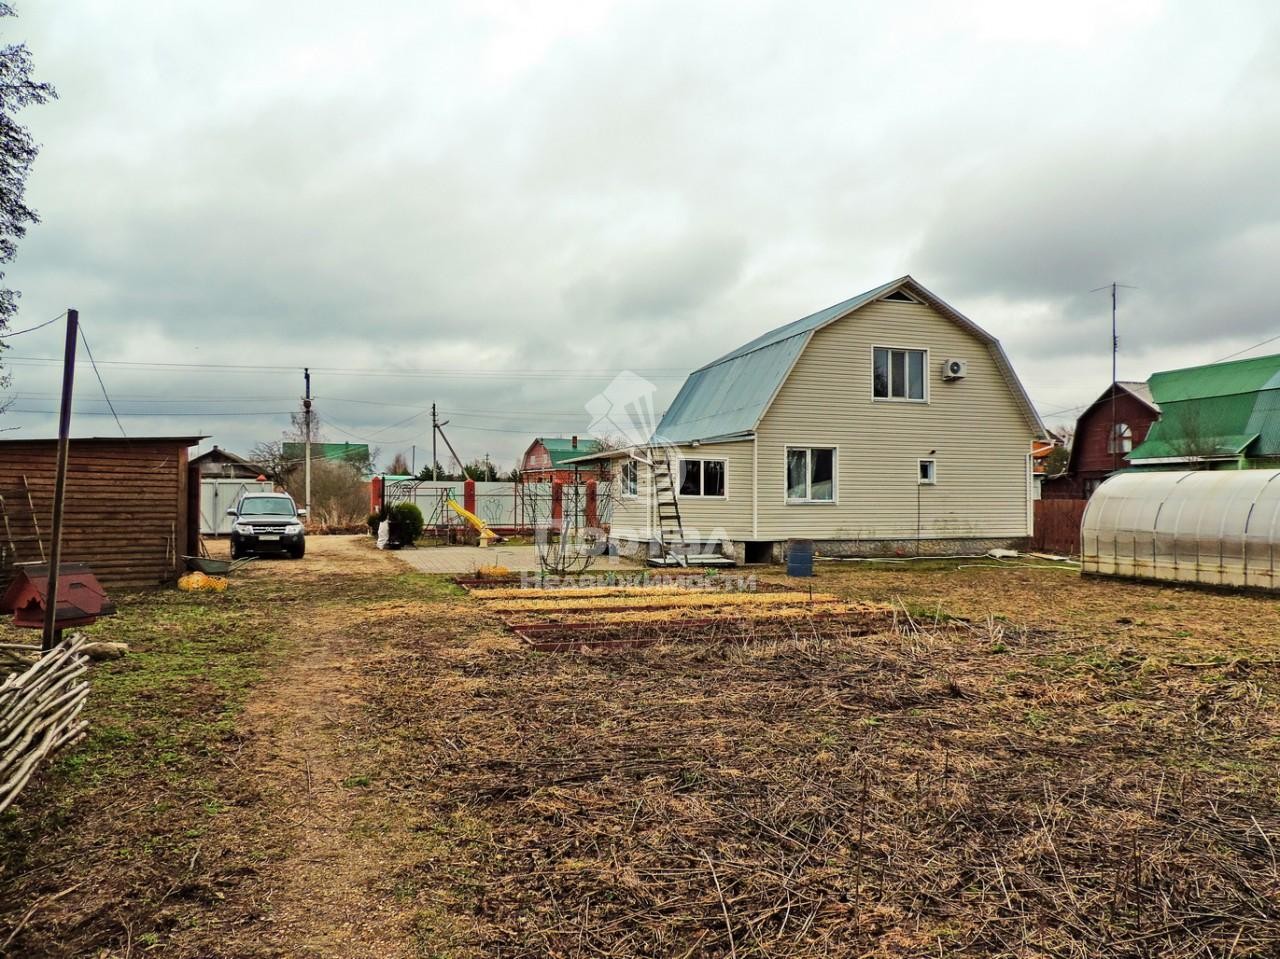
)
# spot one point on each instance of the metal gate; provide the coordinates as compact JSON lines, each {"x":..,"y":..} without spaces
{"x":219,"y":495}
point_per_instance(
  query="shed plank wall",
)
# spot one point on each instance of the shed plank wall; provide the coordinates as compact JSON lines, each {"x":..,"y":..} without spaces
{"x":126,"y":507}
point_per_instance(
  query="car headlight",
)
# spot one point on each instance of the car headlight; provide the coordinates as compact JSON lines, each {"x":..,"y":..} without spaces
{"x":293,"y":529}
{"x":242,"y":528}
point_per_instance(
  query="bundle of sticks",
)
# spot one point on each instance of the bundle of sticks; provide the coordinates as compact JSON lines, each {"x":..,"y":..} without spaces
{"x":40,"y":713}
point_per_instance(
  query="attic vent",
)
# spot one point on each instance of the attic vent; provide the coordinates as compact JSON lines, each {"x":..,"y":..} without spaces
{"x":898,"y":296}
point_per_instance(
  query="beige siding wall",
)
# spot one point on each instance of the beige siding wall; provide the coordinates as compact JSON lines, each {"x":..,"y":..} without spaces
{"x":631,"y":515}
{"x":981,"y":437}
{"x":703,"y":518}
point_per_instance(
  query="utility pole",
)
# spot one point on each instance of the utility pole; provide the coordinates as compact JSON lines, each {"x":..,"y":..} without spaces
{"x":306,"y":418}
{"x":434,"y":428}
{"x":413,"y":459}
{"x":51,"y":631}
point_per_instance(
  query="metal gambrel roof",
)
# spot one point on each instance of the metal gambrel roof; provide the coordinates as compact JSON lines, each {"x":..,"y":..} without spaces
{"x":1216,"y":411}
{"x":728,"y":397}
{"x":562,"y":449}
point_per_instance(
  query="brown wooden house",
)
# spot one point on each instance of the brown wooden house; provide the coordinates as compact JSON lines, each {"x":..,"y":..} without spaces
{"x":222,"y":464}
{"x":130,"y":505}
{"x":549,"y":459}
{"x":1106,"y":432}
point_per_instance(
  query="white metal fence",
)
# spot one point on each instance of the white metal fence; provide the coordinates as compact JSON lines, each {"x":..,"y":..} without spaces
{"x":219,"y":495}
{"x":501,"y":505}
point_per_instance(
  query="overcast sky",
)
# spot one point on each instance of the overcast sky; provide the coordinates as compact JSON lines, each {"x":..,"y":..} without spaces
{"x":505,"y":191}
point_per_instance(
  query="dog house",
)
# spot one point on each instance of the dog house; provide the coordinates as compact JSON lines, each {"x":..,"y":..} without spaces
{"x":1213,"y":527}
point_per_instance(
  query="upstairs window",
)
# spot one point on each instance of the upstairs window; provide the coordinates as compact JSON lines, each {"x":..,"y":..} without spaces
{"x":811,"y":475}
{"x":1121,"y":440}
{"x":702,"y":477}
{"x":898,"y":374}
{"x":630,"y":478}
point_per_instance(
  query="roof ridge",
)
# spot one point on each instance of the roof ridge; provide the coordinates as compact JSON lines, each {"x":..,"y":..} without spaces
{"x":1275,"y":357}
{"x":770,"y":337}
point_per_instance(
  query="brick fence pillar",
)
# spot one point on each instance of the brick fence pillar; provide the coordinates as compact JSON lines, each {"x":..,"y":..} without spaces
{"x":557,"y":502}
{"x":469,"y":496}
{"x":592,"y":506}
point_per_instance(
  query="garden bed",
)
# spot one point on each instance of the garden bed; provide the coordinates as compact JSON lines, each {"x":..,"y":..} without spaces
{"x":557,"y":637}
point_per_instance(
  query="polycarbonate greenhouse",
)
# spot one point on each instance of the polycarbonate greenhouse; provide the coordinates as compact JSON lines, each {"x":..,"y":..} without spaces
{"x":1215,"y":527}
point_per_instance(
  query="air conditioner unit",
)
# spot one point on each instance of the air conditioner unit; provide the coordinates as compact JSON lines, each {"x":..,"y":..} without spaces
{"x":954,"y":369}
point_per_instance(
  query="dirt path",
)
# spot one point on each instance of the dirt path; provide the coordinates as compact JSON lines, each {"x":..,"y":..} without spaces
{"x":312,"y":763}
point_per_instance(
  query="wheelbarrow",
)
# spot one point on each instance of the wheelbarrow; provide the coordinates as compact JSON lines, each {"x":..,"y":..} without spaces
{"x":217,"y":567}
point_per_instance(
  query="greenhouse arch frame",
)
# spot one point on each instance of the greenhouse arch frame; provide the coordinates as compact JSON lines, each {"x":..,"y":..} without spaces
{"x":1211,"y":527}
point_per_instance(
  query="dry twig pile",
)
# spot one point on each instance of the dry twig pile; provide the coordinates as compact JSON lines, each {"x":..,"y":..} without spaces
{"x":40,"y":713}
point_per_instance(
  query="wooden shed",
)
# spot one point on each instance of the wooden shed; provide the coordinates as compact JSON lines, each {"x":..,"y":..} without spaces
{"x":129,"y":506}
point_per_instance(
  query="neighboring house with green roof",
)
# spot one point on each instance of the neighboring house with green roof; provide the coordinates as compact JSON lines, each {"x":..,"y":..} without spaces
{"x":547,"y":458}
{"x":1220,"y":416}
{"x":357,"y":454}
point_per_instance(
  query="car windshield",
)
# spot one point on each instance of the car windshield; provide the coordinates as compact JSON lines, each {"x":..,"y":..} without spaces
{"x":266,"y":506}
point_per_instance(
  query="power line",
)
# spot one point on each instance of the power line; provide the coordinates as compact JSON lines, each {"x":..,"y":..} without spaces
{"x":32,"y":329}
{"x":597,"y":373}
{"x":1248,"y":349}
{"x":1069,"y":409}
{"x":85,"y":340}
{"x":132,"y":413}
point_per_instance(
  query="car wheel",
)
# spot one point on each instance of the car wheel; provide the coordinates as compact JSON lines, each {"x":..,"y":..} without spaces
{"x":236,"y":551}
{"x":298,"y":551}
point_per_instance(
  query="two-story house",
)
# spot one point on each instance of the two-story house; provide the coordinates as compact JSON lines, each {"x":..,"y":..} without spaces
{"x":1107,"y":432}
{"x":886,"y":424}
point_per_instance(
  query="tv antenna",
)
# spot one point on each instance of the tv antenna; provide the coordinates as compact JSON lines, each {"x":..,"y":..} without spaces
{"x":1114,"y":441}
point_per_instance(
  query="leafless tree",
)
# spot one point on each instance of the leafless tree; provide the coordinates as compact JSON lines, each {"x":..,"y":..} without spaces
{"x":275,"y":465}
{"x":1194,"y":443}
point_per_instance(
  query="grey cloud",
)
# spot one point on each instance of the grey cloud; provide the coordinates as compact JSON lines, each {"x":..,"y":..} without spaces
{"x":651,"y":185}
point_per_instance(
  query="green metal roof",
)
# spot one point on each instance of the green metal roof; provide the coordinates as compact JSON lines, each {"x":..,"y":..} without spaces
{"x":357,"y":453}
{"x":727,"y":397}
{"x":1219,"y":410}
{"x":561,"y":448}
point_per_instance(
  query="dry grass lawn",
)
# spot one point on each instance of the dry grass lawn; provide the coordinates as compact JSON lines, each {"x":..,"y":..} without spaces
{"x":1033,"y":765}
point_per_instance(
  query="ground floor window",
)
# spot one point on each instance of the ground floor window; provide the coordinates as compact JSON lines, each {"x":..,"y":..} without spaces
{"x":702,"y":477}
{"x":811,"y":475}
{"x":928,"y":472}
{"x":630,"y":478}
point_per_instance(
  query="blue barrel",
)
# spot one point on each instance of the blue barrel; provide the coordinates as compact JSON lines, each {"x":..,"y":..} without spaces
{"x":800,"y":557}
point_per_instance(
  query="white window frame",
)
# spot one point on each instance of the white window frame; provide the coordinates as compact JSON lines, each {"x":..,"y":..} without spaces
{"x":900,"y":349}
{"x":933,"y":471}
{"x":808,"y":472}
{"x":634,"y":491}
{"x":702,"y":479}
{"x":1116,"y":439}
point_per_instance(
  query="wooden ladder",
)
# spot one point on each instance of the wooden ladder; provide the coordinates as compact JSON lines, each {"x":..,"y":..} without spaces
{"x":670,"y":529}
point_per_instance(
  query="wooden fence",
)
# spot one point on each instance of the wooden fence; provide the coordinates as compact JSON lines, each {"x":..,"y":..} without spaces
{"x":1058,"y":525}
{"x":39,"y":710}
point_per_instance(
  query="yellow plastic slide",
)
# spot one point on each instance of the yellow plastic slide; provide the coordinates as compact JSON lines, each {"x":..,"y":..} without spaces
{"x":487,"y":535}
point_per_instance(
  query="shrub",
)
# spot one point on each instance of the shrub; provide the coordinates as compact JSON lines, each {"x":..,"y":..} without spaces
{"x":374,"y":521}
{"x":409,"y":518}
